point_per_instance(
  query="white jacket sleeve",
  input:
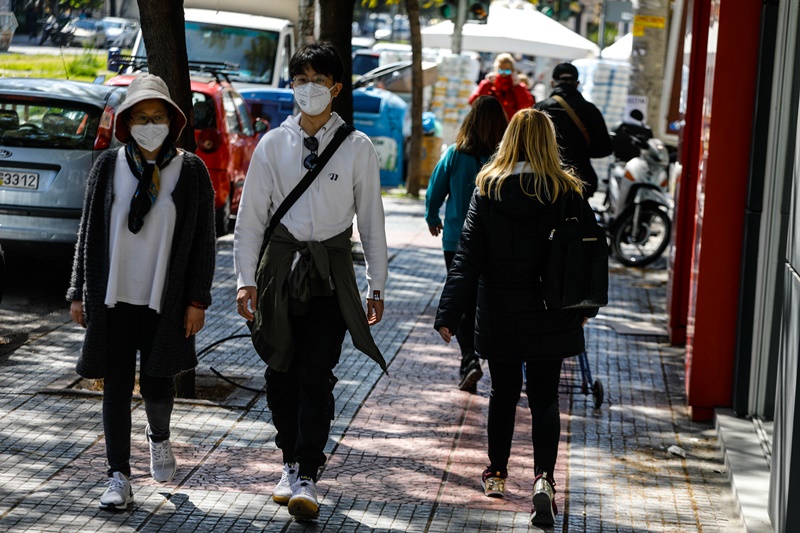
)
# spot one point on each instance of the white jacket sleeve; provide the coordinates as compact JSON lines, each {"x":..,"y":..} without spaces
{"x":370,"y":217}
{"x":253,"y":217}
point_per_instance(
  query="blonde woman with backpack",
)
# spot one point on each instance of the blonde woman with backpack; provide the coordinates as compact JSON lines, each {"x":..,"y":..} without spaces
{"x":501,"y":253}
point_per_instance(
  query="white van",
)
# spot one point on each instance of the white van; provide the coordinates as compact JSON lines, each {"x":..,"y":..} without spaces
{"x":257,"y":48}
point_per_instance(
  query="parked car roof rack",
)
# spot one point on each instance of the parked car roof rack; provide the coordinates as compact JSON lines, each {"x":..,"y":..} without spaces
{"x":219,"y":70}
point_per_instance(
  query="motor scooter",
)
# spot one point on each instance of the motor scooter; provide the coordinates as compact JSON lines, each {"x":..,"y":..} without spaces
{"x":636,"y":214}
{"x":58,"y":35}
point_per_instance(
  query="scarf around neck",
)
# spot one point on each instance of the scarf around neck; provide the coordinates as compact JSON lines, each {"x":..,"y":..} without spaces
{"x":149,"y":178}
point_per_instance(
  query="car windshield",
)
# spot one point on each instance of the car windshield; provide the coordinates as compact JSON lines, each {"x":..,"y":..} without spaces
{"x":110,"y":24}
{"x":85,"y":24}
{"x":47,"y":124}
{"x":364,"y":63}
{"x":250,"y":52}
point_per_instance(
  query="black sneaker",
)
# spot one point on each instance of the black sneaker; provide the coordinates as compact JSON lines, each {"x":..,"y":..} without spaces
{"x":472,"y":374}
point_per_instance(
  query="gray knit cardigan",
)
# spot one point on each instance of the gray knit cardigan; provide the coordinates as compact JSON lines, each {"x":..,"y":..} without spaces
{"x":189,"y":274}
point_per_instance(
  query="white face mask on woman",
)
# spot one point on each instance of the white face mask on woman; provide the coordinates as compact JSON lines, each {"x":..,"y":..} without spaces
{"x":150,"y":136}
{"x":312,"y":98}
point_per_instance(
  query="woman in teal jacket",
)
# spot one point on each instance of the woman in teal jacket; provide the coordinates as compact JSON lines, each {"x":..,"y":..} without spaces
{"x":453,"y":180}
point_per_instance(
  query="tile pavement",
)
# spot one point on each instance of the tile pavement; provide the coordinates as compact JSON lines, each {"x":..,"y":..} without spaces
{"x":406,"y":450}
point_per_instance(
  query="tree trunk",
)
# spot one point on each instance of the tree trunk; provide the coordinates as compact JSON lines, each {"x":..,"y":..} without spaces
{"x":165,"y":39}
{"x":336,"y":19}
{"x":648,"y":60}
{"x":413,"y":180}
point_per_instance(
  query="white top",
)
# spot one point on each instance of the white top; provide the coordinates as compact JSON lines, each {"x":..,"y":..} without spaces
{"x":138,"y":269}
{"x":348,"y":185}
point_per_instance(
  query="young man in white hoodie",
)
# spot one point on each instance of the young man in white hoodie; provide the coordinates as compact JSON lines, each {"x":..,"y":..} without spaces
{"x":305,"y":337}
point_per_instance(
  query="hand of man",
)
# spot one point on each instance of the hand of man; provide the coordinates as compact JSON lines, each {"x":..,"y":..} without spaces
{"x":194,"y":320}
{"x":76,"y":312}
{"x":374,"y":311}
{"x":445,"y":334}
{"x":246,"y":302}
{"x":435,"y":230}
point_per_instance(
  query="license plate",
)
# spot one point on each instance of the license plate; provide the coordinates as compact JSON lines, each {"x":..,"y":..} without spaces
{"x":19,"y":180}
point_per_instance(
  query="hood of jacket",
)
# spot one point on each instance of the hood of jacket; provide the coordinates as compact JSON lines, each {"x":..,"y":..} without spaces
{"x":324,"y":135}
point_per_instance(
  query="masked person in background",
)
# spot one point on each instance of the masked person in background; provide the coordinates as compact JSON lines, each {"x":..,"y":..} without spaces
{"x":302,"y":294}
{"x":142,"y":274}
{"x":504,"y":85}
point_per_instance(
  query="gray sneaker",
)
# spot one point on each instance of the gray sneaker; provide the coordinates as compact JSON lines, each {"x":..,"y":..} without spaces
{"x":118,"y":495}
{"x":162,"y":461}
{"x":282,"y":492}
{"x":304,"y":504}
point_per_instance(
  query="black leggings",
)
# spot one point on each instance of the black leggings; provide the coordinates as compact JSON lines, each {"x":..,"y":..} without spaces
{"x":132,"y":328}
{"x":465,"y":334}
{"x":541,"y":379}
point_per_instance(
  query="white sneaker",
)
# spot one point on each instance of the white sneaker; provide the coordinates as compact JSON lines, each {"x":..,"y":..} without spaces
{"x":162,"y":461}
{"x":282,"y":492}
{"x":304,"y":505}
{"x":118,"y":494}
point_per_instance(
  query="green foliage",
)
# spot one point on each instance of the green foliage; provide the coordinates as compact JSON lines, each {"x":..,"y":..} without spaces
{"x":85,"y":66}
{"x":80,"y":5}
{"x":593,"y":33}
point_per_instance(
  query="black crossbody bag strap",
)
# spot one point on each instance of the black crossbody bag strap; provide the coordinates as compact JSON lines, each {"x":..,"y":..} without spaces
{"x":338,"y":137}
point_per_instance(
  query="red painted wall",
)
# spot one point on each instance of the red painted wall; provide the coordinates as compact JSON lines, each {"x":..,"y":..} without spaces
{"x":689,"y":153}
{"x":721,"y":189}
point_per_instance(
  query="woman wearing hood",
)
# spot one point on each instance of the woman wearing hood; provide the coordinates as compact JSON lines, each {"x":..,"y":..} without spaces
{"x":504,"y":84}
{"x":142,"y":274}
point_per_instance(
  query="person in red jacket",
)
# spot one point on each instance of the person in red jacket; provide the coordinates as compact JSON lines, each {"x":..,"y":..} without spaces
{"x":504,"y":85}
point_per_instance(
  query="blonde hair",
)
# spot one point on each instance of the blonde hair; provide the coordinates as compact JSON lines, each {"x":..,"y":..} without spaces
{"x":530,"y":137}
{"x":503,"y":57}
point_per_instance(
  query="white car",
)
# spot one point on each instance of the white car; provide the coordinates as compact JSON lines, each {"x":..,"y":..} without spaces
{"x":88,"y":33}
{"x":120,"y":32}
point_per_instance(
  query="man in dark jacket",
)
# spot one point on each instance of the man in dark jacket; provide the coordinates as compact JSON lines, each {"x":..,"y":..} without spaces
{"x":578,"y":143}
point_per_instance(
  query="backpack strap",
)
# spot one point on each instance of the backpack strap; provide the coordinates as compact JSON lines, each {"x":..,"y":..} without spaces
{"x":575,"y":118}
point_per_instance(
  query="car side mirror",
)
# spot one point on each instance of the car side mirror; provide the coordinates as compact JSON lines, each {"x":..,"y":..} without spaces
{"x":260,"y":126}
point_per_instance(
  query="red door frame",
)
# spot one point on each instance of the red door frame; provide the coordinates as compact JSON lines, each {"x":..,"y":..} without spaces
{"x":723,"y":146}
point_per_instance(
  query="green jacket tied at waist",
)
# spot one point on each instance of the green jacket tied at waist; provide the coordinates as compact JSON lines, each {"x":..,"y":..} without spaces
{"x":276,"y":280}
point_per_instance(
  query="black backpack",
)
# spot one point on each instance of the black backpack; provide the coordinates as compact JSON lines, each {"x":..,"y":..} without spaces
{"x":575,"y":274}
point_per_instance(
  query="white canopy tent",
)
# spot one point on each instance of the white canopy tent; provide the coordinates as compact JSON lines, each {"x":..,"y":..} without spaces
{"x":621,"y":49}
{"x":516,"y":28}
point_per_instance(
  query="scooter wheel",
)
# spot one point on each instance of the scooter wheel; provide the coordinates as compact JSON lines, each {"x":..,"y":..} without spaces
{"x":639,"y":244}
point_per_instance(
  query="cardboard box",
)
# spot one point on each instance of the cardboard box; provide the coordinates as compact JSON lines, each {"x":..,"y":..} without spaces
{"x":431,"y":152}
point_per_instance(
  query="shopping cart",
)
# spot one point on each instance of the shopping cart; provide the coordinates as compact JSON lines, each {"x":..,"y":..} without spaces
{"x":569,"y":373}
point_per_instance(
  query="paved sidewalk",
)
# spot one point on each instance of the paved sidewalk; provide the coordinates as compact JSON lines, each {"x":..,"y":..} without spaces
{"x":406,"y":450}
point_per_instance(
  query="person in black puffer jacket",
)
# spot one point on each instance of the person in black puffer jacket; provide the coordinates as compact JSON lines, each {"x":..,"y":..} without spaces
{"x":500,"y":255}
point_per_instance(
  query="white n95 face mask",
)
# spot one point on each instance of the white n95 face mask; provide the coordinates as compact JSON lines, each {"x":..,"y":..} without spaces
{"x":312,"y":98}
{"x":150,"y":136}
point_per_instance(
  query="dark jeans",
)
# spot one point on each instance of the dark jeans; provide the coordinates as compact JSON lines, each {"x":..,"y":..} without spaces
{"x":541,"y":386}
{"x":465,"y":334}
{"x":132,"y":328}
{"x":301,"y":400}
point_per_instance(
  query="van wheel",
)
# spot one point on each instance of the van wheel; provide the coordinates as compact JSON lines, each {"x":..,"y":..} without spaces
{"x":222,"y":218}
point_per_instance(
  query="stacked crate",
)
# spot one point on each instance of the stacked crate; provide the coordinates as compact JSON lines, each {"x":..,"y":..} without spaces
{"x":605,"y":82}
{"x":455,"y":84}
